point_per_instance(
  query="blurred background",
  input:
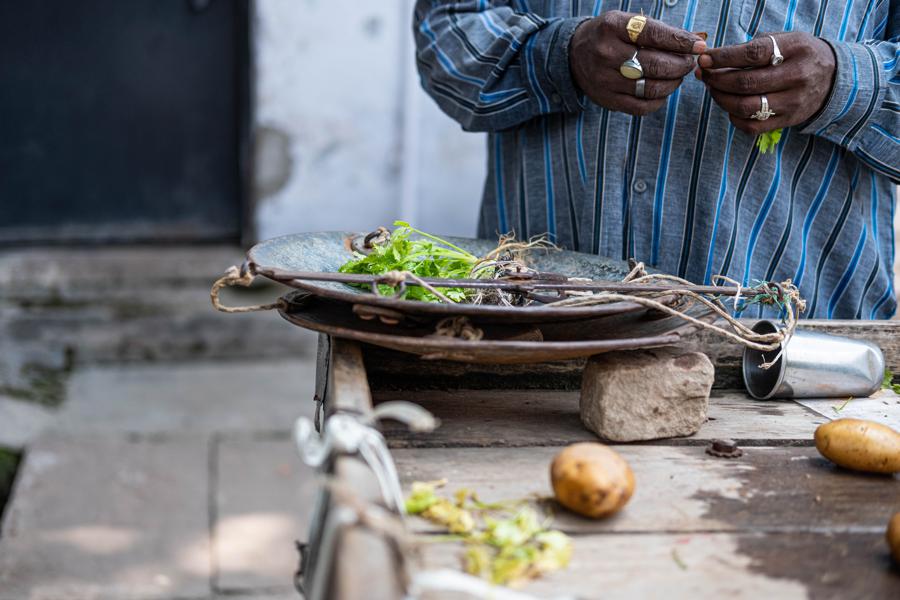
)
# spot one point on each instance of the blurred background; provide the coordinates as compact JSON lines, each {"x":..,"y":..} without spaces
{"x":222,"y":120}
{"x":144,"y":145}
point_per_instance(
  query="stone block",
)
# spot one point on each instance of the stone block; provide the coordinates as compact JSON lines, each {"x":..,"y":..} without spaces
{"x":646,"y":395}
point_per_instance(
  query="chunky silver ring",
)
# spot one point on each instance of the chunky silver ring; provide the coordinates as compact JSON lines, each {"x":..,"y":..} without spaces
{"x":631,"y":68}
{"x":639,"y":87}
{"x":763,"y":113}
{"x":777,"y":58}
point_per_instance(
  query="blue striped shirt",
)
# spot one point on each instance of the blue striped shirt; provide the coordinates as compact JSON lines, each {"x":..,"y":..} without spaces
{"x":682,"y":189}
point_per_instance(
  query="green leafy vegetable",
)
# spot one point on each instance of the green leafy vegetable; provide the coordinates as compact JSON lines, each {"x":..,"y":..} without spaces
{"x":507,"y":545}
{"x":888,"y":382}
{"x":768,"y":140}
{"x":425,"y":255}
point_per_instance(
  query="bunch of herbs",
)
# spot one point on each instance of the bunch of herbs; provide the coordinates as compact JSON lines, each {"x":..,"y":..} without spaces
{"x":425,"y":255}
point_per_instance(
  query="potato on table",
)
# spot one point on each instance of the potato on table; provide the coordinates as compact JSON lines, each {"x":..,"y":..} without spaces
{"x":591,"y":479}
{"x":860,"y":445}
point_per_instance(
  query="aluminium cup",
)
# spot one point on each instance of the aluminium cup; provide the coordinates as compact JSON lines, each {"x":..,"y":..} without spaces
{"x":814,"y":365}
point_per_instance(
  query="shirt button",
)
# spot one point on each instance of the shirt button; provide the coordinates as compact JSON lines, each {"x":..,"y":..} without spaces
{"x":671,"y":3}
{"x":640,"y":186}
{"x":555,"y":98}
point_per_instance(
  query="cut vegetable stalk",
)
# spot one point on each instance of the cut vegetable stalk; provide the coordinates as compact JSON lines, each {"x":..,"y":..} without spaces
{"x":767,"y":141}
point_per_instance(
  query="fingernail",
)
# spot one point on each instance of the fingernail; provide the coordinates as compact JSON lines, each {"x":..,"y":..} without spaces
{"x":699,"y":47}
{"x":705,"y":61}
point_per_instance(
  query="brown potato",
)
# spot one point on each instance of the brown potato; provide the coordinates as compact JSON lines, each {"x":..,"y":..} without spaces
{"x":591,"y":479}
{"x":860,"y":445}
{"x":893,"y":537}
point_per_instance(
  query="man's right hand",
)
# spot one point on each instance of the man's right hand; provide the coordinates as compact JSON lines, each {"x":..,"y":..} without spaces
{"x":600,"y":45}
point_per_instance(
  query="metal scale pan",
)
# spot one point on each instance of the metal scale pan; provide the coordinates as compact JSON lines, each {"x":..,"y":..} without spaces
{"x":502,"y":344}
{"x":327,"y":251}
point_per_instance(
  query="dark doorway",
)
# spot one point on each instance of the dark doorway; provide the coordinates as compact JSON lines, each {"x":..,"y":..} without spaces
{"x":123,"y":121}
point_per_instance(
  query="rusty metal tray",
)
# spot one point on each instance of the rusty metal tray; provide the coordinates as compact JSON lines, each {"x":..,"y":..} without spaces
{"x":502,"y":344}
{"x":327,"y":251}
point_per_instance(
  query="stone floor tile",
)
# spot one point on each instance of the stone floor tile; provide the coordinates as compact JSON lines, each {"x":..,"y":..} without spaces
{"x":263,"y":503}
{"x":110,"y":517}
{"x":190,"y":397}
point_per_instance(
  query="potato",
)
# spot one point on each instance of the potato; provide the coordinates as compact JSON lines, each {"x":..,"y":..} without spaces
{"x":893,"y":537}
{"x":591,"y":479}
{"x":860,"y":445}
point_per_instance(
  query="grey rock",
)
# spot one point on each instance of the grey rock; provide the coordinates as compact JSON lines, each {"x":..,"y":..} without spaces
{"x":646,"y":395}
{"x":21,"y":422}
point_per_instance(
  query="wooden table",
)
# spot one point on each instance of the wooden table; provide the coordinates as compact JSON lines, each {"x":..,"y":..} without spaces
{"x":778,"y":522}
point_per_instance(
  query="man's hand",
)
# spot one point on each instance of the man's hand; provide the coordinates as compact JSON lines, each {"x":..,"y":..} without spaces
{"x":600,"y":45}
{"x":796,"y":89}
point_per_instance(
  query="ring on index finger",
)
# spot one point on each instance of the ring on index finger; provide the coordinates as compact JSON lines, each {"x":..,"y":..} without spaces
{"x":777,"y":58}
{"x":635,"y":26}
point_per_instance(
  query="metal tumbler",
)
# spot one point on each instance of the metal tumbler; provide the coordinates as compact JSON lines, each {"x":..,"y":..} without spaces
{"x":814,"y":365}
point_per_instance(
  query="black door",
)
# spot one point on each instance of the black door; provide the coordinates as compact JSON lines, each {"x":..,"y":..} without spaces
{"x":122,"y":120}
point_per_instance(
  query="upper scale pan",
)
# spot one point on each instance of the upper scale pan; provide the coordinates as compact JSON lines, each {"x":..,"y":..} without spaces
{"x":327,"y":251}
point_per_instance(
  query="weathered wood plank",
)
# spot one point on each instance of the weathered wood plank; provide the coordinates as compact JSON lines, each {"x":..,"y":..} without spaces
{"x":883,"y":407}
{"x":395,"y":370}
{"x":348,"y":386}
{"x":550,"y":418}
{"x":363,"y":565}
{"x":680,"y":488}
{"x":714,"y":566}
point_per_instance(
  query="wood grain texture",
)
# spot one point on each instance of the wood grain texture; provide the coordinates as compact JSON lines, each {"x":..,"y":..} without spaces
{"x":394,"y":370}
{"x":348,"y":387}
{"x":713,"y":565}
{"x":680,"y":489}
{"x":551,"y":418}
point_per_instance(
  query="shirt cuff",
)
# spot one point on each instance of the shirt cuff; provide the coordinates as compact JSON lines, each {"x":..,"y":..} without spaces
{"x":547,"y":65}
{"x":858,"y":90}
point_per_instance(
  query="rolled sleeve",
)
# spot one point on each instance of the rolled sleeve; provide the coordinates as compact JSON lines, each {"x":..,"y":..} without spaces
{"x":546,"y":61}
{"x":858,"y":91}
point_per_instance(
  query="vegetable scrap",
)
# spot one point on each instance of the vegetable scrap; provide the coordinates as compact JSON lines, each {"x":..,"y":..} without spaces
{"x":506,"y":542}
{"x":429,"y":256}
{"x":767,"y":141}
{"x":888,"y":382}
{"x":838,"y":409}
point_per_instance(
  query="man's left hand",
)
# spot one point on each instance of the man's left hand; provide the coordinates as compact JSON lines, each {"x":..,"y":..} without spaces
{"x":738,"y":76}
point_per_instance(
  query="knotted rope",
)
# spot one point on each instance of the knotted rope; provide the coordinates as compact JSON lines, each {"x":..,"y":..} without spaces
{"x":785,"y":294}
{"x":234,"y":276}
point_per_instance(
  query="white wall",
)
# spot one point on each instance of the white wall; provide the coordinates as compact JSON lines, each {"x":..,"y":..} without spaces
{"x":346,"y":139}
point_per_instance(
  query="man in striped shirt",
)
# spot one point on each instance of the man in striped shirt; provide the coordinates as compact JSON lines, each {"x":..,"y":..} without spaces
{"x":667,"y":170}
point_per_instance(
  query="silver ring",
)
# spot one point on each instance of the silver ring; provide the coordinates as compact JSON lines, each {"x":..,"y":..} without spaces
{"x":763,"y":113}
{"x":639,"y":87}
{"x":777,"y":58}
{"x":631,"y":68}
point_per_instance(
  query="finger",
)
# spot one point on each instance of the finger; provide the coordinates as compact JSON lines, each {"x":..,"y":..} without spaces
{"x":752,"y":81}
{"x":742,"y":107}
{"x":755,"y":127}
{"x":655,"y":63}
{"x":659,"y":35}
{"x":635,"y":106}
{"x":654,"y":89}
{"x":755,"y":53}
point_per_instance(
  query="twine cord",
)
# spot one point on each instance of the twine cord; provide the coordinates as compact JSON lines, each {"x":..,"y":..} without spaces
{"x":234,"y":276}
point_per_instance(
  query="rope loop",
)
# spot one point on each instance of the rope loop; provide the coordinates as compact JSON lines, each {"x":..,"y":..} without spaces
{"x":239,"y":277}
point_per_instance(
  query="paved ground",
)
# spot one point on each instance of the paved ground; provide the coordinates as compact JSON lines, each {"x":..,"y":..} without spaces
{"x":157,"y":459}
{"x":167,"y":481}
